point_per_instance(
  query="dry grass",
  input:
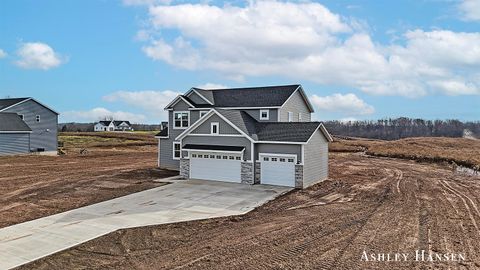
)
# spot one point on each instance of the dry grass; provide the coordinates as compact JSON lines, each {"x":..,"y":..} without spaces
{"x":73,"y":140}
{"x":462,"y":151}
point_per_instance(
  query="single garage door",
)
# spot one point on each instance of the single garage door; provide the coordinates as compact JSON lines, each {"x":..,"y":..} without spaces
{"x":277,"y":169}
{"x":216,"y":166}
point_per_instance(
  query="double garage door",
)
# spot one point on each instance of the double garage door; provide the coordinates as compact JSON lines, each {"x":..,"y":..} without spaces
{"x":277,"y":169}
{"x":216,"y":166}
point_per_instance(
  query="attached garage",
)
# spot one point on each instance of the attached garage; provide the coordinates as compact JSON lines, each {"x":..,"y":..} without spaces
{"x":277,"y":169}
{"x":214,"y":162}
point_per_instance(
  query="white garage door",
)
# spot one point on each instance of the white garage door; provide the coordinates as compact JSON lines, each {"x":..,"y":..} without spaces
{"x":215,"y":166}
{"x":277,"y":170}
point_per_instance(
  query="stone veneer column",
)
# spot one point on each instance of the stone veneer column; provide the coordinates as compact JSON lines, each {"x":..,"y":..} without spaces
{"x":247,"y":174}
{"x":184,"y":168}
{"x":298,"y":176}
{"x":258,"y":173}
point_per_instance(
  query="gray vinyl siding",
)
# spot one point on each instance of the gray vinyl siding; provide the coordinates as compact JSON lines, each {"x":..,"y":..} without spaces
{"x":166,"y":155}
{"x":14,"y":143}
{"x":315,"y":167}
{"x":295,"y":104}
{"x":44,"y":133}
{"x":255,"y":113}
{"x":223,"y":126}
{"x":274,"y":148}
{"x":230,"y":141}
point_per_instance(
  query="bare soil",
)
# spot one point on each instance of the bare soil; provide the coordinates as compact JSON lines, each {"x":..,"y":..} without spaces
{"x":374,"y":204}
{"x":35,"y":186}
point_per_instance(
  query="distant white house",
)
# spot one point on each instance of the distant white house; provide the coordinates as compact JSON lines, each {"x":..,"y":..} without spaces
{"x":113,"y":126}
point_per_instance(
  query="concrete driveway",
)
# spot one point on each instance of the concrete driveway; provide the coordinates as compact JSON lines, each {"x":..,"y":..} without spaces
{"x":176,"y":202}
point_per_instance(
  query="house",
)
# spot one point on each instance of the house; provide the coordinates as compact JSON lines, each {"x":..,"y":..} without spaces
{"x":113,"y":126}
{"x":246,"y":135}
{"x":26,"y":125}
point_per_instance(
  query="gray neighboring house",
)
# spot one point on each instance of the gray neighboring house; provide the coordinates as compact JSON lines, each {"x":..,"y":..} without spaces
{"x":258,"y":135}
{"x":40,"y":120}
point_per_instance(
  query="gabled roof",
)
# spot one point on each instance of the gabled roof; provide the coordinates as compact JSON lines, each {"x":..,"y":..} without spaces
{"x":117,"y":123}
{"x":105,"y":123}
{"x":7,"y":103}
{"x":11,"y":122}
{"x":285,"y":132}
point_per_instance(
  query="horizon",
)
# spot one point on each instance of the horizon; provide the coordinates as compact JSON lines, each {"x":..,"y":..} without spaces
{"x":356,"y":60}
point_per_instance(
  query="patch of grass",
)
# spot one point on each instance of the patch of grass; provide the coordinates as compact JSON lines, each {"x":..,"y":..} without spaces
{"x":72,"y":140}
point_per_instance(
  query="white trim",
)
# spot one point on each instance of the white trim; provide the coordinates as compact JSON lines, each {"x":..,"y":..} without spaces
{"x":158,"y":156}
{"x":173,"y":150}
{"x":302,"y":92}
{"x":324,"y":131}
{"x":214,"y":151}
{"x":290,"y":119}
{"x":202,"y":120}
{"x":202,"y":111}
{"x":303,"y":153}
{"x":268,"y":115}
{"x":6,"y":131}
{"x":246,"y":108}
{"x":204,"y":98}
{"x":26,"y":101}
{"x":217,"y":125}
{"x":279,"y":142}
{"x":175,"y":101}
{"x":161,"y":137}
{"x":299,"y":117}
{"x":173,"y":124}
{"x":252,"y":152}
{"x":295,"y":157}
{"x":219,"y":135}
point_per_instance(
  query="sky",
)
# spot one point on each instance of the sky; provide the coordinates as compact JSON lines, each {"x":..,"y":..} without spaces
{"x":356,"y":60}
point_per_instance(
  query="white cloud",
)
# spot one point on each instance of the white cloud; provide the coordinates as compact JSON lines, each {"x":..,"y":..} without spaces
{"x":37,"y":55}
{"x":2,"y":54}
{"x":470,"y":10}
{"x":99,"y":114}
{"x":306,"y":41}
{"x":346,"y":104}
{"x":152,"y":102}
{"x":212,"y":86}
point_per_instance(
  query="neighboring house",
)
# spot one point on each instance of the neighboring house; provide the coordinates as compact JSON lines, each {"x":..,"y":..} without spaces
{"x":113,"y":126}
{"x":41,"y":121}
{"x":245,"y":135}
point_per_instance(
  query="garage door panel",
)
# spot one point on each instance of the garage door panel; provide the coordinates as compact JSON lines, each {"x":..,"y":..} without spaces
{"x":277,"y":170}
{"x":216,"y":166}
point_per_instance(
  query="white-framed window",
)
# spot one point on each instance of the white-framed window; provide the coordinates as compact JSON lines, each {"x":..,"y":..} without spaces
{"x":22,"y":116}
{"x":202,"y":113}
{"x":181,"y":120}
{"x":214,"y":128}
{"x":290,"y":116}
{"x":264,"y":114}
{"x":299,"y":117}
{"x":177,"y":150}
{"x":37,"y":118}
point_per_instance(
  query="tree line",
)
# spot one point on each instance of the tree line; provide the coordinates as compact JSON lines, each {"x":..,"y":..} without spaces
{"x":403,"y":127}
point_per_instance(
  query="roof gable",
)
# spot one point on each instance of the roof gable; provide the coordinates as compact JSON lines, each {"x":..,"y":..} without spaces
{"x":11,"y":122}
{"x":11,"y":102}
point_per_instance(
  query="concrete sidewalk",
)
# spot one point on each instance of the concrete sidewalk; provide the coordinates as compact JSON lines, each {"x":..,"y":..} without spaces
{"x":176,"y":202}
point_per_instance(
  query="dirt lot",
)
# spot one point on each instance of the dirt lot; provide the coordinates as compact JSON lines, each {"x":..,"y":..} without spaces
{"x":375,"y":204}
{"x":37,"y":186}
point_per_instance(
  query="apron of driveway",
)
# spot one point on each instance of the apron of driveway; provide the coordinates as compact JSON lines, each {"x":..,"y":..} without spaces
{"x":175,"y":202}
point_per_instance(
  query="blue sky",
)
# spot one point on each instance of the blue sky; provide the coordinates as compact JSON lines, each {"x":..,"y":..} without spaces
{"x":355,"y":59}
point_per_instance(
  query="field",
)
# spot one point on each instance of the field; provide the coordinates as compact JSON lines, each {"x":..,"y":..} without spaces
{"x":369,"y":203}
{"x":37,"y":186}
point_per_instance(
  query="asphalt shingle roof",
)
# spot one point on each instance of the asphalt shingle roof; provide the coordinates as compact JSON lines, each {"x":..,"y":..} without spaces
{"x":267,"y":96}
{"x":163,"y":133}
{"x":7,"y":102}
{"x":12,"y":122}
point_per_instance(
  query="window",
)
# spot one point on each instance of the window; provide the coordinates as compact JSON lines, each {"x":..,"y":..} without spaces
{"x":282,"y":160}
{"x":274,"y":159}
{"x":212,"y":156}
{"x":264,"y":115}
{"x":202,"y":113}
{"x":290,"y":116}
{"x":181,"y":119}
{"x":225,"y":157}
{"x":231,"y":157}
{"x":214,"y":128}
{"x":200,"y":156}
{"x":237,"y":158}
{"x":22,"y":116}
{"x":37,"y":118}
{"x":219,"y":157}
{"x":177,"y":149}
{"x":265,"y":159}
{"x":194,"y":155}
{"x":290,"y":160}
{"x":299,"y":117}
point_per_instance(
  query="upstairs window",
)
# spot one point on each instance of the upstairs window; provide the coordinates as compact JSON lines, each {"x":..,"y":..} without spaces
{"x":214,"y":128}
{"x":290,"y":116}
{"x":37,"y":118}
{"x":181,"y":119}
{"x":264,"y":115}
{"x":177,"y":149}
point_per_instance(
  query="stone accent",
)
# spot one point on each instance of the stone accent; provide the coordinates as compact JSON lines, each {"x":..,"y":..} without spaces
{"x":247,"y":174}
{"x":298,"y":176}
{"x":258,"y":172}
{"x":185,"y":168}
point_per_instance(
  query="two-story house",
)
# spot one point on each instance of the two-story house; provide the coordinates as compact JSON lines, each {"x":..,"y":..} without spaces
{"x":245,"y":135}
{"x":113,"y":126}
{"x":33,"y":129}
